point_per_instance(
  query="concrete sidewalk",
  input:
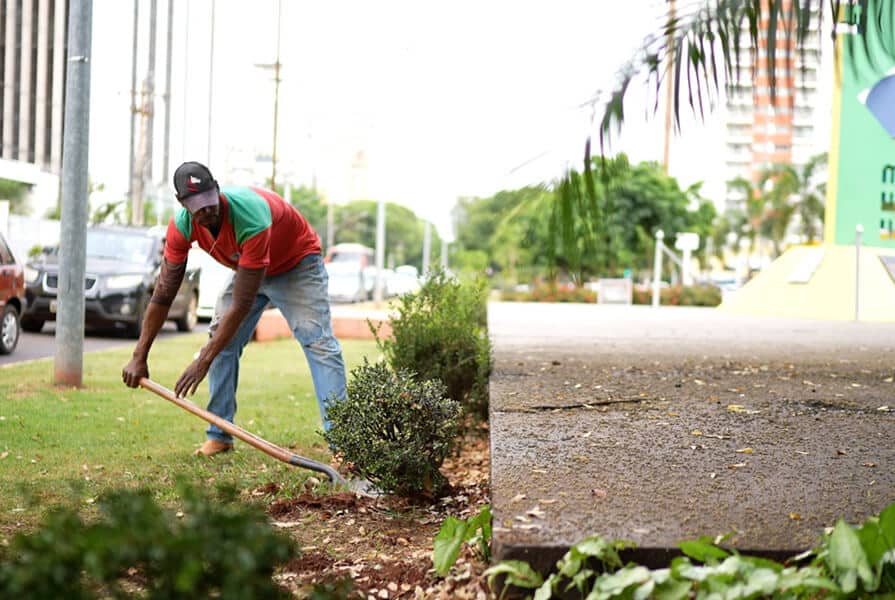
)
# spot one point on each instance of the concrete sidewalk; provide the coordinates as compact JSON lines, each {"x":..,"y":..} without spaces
{"x":661,"y":425}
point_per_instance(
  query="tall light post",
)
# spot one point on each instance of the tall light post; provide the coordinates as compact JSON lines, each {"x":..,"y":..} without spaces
{"x":276,"y":66}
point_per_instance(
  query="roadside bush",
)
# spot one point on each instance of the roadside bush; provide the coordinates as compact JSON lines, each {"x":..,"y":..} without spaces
{"x":394,"y":429}
{"x":441,"y":333}
{"x":676,"y":295}
{"x":551,"y":293}
{"x":215,"y":549}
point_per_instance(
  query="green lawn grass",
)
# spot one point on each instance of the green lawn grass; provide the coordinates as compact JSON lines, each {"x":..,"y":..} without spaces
{"x":62,"y":444}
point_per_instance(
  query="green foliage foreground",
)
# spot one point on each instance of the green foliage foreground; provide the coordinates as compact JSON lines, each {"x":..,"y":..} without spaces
{"x":850,"y":562}
{"x":212,"y":547}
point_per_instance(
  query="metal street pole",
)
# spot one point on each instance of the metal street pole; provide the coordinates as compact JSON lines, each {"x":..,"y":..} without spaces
{"x":380,"y":250}
{"x":169,"y":49}
{"x":859,"y":231}
{"x":69,"y":359}
{"x":657,"y":267}
{"x":276,"y":102}
{"x":276,"y":98}
{"x":427,"y":249}
{"x":210,"y":84}
{"x":131,"y":157}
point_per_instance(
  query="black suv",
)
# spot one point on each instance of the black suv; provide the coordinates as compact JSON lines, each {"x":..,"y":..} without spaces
{"x":122,"y":266}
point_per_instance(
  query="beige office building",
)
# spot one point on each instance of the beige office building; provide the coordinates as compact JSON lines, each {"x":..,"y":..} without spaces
{"x":33,"y":38}
{"x":761,"y":131}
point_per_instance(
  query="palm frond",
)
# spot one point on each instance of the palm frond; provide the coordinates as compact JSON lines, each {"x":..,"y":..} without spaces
{"x":693,"y":41}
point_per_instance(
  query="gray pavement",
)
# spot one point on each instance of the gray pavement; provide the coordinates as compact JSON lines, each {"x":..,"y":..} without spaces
{"x":661,"y":425}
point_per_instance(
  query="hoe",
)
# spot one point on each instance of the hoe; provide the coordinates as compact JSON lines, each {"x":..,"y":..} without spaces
{"x":360,"y":486}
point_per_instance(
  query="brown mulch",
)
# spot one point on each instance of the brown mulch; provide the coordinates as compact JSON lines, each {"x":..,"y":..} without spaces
{"x":384,"y":545}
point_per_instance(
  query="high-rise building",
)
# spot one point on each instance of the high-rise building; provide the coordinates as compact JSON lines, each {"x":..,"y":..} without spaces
{"x":33,"y":43}
{"x":762,"y":131}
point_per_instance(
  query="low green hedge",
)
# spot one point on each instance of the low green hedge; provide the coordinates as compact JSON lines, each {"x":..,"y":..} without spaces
{"x":676,"y":295}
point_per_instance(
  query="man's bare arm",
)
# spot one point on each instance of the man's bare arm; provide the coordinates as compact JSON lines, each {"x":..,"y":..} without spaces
{"x":245,"y":288}
{"x":169,"y":280}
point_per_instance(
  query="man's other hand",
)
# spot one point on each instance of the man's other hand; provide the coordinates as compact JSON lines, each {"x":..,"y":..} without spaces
{"x":191,"y":378}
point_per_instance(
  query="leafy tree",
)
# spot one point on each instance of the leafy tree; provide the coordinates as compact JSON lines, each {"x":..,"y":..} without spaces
{"x":17,"y":194}
{"x":518,"y":230}
{"x":753,"y":217}
{"x":619,"y":207}
{"x":810,"y":190}
{"x":310,"y":204}
{"x":404,"y":231}
{"x":698,"y":50}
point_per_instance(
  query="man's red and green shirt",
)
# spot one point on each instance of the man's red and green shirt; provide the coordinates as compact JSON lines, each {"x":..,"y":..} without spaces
{"x":258,"y":229}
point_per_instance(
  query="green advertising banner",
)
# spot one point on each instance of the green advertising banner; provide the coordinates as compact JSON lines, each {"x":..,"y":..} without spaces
{"x":861,"y":185}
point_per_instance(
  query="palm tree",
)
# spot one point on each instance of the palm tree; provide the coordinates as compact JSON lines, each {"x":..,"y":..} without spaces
{"x":698,"y":50}
{"x":811,"y":193}
{"x":755,"y":201}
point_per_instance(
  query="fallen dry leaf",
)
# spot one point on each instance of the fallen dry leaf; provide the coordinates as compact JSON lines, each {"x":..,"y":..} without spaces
{"x":536,"y":512}
{"x":518,"y":498}
{"x":3,"y":455}
{"x":795,"y":516}
{"x":745,"y":451}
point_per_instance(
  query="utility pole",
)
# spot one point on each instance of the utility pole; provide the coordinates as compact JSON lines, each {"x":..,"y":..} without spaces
{"x":444,"y":254}
{"x":276,"y":66}
{"x":669,"y":88}
{"x":69,"y":358}
{"x":131,"y":157}
{"x":380,"y":250}
{"x":210,"y":84}
{"x":427,"y":248}
{"x":143,"y":168}
{"x":166,"y":146}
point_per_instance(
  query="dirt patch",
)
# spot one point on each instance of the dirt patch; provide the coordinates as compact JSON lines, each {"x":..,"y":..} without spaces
{"x":343,"y":501}
{"x":384,"y":545}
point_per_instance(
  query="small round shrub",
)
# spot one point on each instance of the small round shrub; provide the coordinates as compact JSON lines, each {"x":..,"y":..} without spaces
{"x":395,"y":430}
{"x":441,"y":333}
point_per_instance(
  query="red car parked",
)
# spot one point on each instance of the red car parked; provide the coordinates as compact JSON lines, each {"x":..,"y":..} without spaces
{"x":12,"y":298}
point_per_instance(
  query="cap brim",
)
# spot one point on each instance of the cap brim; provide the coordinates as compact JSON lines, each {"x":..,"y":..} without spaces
{"x":197,"y":202}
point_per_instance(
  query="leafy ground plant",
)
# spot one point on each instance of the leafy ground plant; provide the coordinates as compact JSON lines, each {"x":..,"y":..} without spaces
{"x":850,"y":562}
{"x":395,"y":430}
{"x":441,"y":333}
{"x":136,"y":548}
{"x":454,"y":532}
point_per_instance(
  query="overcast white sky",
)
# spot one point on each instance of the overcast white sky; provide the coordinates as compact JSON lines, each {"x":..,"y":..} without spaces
{"x":445,"y":99}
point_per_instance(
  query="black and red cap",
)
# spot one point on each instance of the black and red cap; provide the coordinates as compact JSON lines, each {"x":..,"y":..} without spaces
{"x":195,"y":186}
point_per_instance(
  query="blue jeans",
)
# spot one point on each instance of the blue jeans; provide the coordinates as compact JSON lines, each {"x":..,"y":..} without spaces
{"x":301,"y":295}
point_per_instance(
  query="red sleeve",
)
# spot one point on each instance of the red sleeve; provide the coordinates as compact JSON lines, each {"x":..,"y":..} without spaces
{"x":177,"y":247}
{"x":255,"y":251}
